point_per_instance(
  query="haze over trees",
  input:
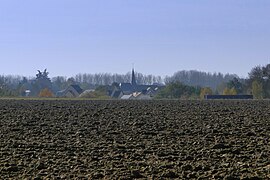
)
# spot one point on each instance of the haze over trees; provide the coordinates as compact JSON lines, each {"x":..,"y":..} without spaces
{"x":198,"y":78}
{"x":108,"y":79}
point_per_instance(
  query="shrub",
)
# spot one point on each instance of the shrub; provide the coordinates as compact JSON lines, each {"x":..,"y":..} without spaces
{"x":46,"y":93}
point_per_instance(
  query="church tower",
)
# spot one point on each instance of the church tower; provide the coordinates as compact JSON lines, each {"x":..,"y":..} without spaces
{"x":133,"y":80}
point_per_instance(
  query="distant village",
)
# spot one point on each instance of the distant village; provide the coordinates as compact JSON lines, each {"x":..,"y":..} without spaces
{"x":133,"y":85}
{"x":122,"y":90}
{"x":133,"y":90}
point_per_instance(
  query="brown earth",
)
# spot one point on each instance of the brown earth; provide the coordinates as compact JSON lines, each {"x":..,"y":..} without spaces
{"x":134,"y":139}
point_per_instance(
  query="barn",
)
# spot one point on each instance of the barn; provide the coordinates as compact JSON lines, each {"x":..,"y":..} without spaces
{"x":245,"y":96}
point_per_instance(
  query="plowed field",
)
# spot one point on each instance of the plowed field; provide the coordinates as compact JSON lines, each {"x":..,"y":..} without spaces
{"x":134,"y":139}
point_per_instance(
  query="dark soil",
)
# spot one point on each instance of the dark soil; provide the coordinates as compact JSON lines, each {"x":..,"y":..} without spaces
{"x":134,"y":139}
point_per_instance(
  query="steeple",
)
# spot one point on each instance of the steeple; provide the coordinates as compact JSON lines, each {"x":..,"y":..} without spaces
{"x":133,"y":80}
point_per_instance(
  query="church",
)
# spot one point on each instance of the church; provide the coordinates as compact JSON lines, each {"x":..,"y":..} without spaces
{"x":133,"y":90}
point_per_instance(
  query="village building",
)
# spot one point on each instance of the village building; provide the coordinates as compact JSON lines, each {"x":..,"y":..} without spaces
{"x":133,"y":90}
{"x":71,"y":91}
{"x":126,"y":97}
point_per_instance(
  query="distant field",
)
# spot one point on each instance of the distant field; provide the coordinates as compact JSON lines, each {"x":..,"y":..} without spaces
{"x":134,"y":139}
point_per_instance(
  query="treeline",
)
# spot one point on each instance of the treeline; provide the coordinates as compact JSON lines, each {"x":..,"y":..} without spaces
{"x":17,"y":85}
{"x":182,"y":84}
{"x":92,"y":81}
{"x":259,"y":81}
{"x":108,"y":79}
{"x":9,"y":85}
{"x":186,"y":84}
{"x":198,"y":78}
{"x":178,"y":90}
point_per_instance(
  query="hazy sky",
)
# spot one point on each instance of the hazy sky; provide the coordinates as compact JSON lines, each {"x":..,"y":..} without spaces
{"x":160,"y":37}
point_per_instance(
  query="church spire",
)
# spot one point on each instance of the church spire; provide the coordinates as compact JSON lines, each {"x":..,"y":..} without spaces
{"x":133,"y":80}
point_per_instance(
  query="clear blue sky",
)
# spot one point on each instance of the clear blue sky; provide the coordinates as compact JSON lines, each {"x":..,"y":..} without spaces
{"x":160,"y":37}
